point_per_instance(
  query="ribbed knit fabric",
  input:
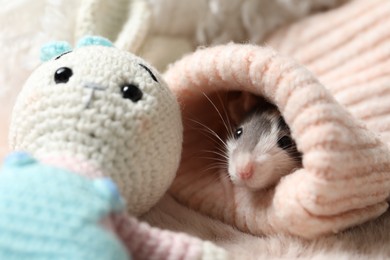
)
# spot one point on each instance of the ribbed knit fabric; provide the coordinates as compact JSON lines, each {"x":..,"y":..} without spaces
{"x":345,"y":176}
{"x":350,"y":54}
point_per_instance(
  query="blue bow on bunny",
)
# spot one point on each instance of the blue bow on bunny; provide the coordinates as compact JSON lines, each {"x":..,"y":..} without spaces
{"x":56,"y":48}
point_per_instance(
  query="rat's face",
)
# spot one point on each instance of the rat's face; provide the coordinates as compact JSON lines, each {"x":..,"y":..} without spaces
{"x":261,"y":151}
{"x":102,"y":111}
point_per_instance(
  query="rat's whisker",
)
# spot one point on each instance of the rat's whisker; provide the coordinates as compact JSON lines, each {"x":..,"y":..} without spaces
{"x":214,"y":167}
{"x":221,"y":153}
{"x":229,"y":129}
{"x":213,"y":159}
{"x":219,"y":113}
{"x":208,"y":130}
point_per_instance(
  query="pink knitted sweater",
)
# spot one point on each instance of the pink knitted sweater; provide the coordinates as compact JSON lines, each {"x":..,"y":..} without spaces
{"x":338,"y":113}
{"x":146,"y":242}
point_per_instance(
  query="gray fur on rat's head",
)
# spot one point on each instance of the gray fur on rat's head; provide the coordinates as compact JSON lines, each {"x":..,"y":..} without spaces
{"x":261,"y":150}
{"x":101,"y":110}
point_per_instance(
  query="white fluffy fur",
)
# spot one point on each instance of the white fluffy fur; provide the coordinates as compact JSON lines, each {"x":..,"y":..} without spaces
{"x":221,"y":21}
{"x":26,"y":26}
{"x":30,"y":24}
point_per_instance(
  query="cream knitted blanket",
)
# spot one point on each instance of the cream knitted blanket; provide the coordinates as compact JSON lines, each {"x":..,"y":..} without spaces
{"x":338,"y":113}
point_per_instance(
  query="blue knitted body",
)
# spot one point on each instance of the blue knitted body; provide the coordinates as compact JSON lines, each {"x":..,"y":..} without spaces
{"x":51,"y":213}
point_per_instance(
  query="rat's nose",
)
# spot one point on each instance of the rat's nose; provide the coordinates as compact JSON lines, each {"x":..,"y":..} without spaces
{"x":93,"y":87}
{"x":246,"y":171}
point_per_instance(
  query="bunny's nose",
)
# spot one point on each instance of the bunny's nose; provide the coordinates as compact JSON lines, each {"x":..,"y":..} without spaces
{"x":92,"y":87}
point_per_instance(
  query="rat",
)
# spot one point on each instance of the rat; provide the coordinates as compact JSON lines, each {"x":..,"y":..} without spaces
{"x":261,"y":149}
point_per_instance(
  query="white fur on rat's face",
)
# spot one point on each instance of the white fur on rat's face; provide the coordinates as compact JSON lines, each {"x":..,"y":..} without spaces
{"x":255,"y":158}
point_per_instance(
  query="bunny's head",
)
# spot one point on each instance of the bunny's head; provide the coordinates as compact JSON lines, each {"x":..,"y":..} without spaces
{"x":101,"y":111}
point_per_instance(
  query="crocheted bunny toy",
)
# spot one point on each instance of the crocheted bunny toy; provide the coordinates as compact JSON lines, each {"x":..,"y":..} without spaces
{"x":102,"y":112}
{"x":88,"y":116}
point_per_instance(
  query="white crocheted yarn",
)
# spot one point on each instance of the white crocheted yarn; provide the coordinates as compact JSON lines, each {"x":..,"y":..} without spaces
{"x":137,"y":144}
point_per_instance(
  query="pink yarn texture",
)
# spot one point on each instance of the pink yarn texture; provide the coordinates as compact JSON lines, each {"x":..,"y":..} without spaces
{"x":337,"y":110}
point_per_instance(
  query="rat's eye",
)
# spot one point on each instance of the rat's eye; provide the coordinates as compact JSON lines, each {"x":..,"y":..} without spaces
{"x":285,"y":142}
{"x":132,"y":92}
{"x":238,"y":133}
{"x":62,"y":75}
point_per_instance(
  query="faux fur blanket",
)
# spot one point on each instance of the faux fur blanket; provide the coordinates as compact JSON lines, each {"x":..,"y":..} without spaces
{"x":347,"y":53}
{"x":338,"y":115}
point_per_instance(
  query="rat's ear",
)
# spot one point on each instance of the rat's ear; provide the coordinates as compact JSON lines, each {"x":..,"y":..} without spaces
{"x":94,"y":40}
{"x":53,"y":49}
{"x":240,"y":104}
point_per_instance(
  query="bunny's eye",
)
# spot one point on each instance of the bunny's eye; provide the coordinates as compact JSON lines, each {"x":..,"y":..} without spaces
{"x":132,"y":92}
{"x":238,"y":133}
{"x":62,"y":75}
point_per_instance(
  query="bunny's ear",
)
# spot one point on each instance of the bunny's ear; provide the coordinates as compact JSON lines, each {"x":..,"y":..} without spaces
{"x":94,"y":40}
{"x":53,"y":49}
